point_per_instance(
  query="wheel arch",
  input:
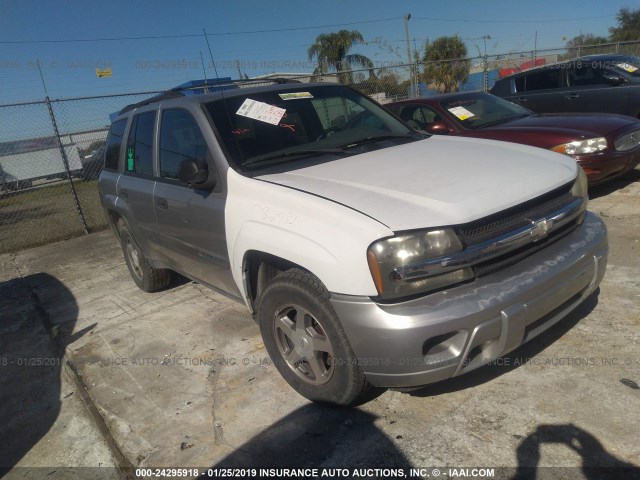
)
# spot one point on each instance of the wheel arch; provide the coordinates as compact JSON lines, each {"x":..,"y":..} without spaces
{"x":118,"y":217}
{"x":258,"y":269}
{"x":115,"y":219}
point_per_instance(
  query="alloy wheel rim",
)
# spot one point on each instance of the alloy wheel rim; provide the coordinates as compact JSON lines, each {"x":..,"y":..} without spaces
{"x":303,"y":344}
{"x":134,"y":257}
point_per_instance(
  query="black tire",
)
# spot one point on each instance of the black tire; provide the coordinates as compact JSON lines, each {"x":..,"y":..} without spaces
{"x":146,"y":277}
{"x":306,"y":341}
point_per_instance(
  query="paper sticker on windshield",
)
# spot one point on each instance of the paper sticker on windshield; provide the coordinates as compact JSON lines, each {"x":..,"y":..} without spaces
{"x":295,"y":95}
{"x":627,"y":67}
{"x":263,"y":112}
{"x":462,"y":113}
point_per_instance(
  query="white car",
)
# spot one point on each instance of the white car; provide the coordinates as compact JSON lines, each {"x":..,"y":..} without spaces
{"x":368,"y":253}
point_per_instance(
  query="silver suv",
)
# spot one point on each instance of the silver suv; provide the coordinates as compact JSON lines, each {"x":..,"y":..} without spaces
{"x":368,"y":253}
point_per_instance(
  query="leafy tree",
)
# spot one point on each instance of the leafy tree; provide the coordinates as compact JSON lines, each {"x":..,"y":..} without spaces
{"x":584,"y":44}
{"x":628,"y":26}
{"x":387,"y":83}
{"x":331,"y":50}
{"x":445,"y":66}
{"x":587,"y":39}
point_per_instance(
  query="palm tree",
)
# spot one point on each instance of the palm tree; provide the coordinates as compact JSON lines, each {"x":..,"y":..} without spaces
{"x":445,"y":66}
{"x":332,"y":53}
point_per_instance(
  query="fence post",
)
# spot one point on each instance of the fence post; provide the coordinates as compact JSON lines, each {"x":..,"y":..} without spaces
{"x":65,"y":161}
{"x":485,"y":74}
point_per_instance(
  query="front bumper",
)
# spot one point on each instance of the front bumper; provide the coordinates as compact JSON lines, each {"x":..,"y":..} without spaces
{"x":452,"y":332}
{"x":602,"y":167}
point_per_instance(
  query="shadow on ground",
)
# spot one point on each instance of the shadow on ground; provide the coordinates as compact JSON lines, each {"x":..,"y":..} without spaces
{"x":317,"y":436}
{"x":597,"y":463}
{"x":31,"y":356}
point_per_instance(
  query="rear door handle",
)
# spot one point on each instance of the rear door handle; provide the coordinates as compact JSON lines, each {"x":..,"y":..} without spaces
{"x":162,"y":203}
{"x":521,"y":99}
{"x":571,"y":96}
{"x":123,"y":193}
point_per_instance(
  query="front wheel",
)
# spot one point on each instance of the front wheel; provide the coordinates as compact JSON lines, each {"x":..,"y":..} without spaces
{"x":305,"y":340}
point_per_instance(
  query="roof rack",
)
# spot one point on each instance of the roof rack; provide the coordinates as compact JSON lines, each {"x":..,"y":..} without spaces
{"x":176,"y":92}
{"x":156,"y":98}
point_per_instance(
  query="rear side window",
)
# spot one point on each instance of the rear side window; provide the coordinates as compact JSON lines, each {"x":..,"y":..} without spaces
{"x":139,"y":154}
{"x":180,"y":139}
{"x":420,"y":115}
{"x":114,"y":142}
{"x":543,"y":80}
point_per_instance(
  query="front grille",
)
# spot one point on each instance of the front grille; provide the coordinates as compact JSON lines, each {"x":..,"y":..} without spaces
{"x":513,"y":218}
{"x":504,"y":261}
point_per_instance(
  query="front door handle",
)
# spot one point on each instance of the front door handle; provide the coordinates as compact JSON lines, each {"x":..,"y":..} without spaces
{"x":521,"y":99}
{"x":162,"y":203}
{"x":571,"y":96}
{"x":123,"y":193}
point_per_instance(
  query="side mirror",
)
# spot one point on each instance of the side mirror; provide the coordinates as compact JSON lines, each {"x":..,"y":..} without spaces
{"x":438,"y":128}
{"x":194,"y":175}
{"x":613,"y":79}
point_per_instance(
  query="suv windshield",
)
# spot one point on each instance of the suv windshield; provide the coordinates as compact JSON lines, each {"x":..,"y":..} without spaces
{"x":268,"y":127}
{"x":482,"y":110}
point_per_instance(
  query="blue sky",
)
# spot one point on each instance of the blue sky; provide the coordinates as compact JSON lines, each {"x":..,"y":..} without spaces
{"x":160,"y":63}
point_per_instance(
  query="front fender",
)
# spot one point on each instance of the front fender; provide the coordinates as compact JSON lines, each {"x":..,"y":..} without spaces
{"x":328,"y":239}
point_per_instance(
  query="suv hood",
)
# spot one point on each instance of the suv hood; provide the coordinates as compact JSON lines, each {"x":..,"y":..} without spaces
{"x":434,"y":182}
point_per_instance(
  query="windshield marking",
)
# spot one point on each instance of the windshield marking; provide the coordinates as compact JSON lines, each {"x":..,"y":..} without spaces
{"x":289,"y":126}
{"x":295,"y":95}
{"x":462,"y":113}
{"x":627,"y":67}
{"x":263,"y":112}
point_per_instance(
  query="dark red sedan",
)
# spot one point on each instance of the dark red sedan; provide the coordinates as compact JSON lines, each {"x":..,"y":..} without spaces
{"x":605,"y":145}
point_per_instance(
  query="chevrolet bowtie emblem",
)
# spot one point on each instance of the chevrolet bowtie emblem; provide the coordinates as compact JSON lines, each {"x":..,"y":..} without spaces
{"x":540,"y":228}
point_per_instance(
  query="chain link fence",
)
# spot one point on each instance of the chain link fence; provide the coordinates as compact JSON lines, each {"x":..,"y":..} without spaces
{"x":50,"y":160}
{"x":51,"y":151}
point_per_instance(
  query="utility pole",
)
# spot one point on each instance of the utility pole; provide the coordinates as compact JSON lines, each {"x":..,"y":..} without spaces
{"x":485,"y":62}
{"x":407,"y":17}
{"x":485,"y":75}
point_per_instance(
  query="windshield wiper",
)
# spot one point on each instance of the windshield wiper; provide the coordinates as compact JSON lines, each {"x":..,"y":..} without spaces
{"x":297,"y":153}
{"x":379,"y":138}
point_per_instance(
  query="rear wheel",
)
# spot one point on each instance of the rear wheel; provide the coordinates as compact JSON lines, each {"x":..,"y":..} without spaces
{"x":305,"y":340}
{"x":146,"y":277}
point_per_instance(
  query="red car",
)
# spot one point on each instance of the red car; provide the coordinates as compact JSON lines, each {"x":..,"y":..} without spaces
{"x":605,"y":145}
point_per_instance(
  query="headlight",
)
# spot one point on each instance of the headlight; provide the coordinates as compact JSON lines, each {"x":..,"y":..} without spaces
{"x":581,"y":185}
{"x":580,"y":147}
{"x":627,"y":141}
{"x":579,"y":190}
{"x":385,"y":256}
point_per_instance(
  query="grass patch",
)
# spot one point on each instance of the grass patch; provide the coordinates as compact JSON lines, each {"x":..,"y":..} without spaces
{"x":47,"y":214}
